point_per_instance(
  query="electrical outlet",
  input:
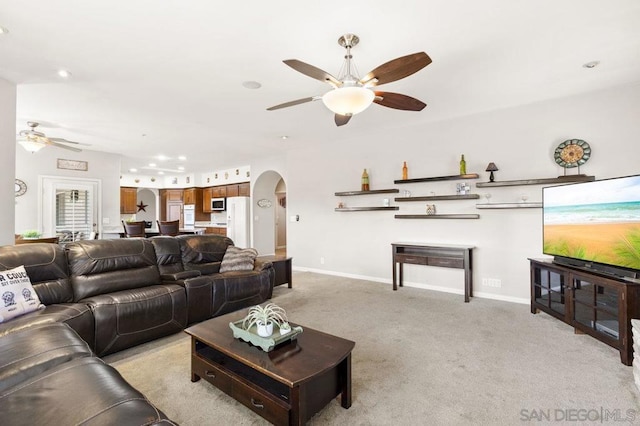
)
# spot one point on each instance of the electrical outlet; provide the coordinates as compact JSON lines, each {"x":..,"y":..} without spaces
{"x":322,"y":260}
{"x":492,"y":282}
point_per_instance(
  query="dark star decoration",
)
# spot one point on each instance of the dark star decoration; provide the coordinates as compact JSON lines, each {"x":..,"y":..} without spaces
{"x":142,"y":206}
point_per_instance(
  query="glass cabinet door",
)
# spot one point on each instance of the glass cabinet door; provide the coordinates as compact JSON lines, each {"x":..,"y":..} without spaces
{"x":549,"y":288}
{"x":596,"y":306}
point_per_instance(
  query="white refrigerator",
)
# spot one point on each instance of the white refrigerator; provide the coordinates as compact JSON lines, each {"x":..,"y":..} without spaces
{"x":238,"y":216}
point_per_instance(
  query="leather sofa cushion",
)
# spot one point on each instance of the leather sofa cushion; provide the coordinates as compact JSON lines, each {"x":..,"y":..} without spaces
{"x":203,"y":252}
{"x":77,"y":315}
{"x":127,"y":318}
{"x":168,"y":254}
{"x":28,"y":352}
{"x":236,"y":290}
{"x":46,"y":265}
{"x":82,"y":391}
{"x":105,"y":266}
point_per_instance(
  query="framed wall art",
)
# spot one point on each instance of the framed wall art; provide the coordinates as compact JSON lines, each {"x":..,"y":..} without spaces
{"x":82,"y":166}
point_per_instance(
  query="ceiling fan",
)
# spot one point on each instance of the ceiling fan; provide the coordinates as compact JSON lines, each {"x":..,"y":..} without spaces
{"x":34,"y":141}
{"x":352,"y":94}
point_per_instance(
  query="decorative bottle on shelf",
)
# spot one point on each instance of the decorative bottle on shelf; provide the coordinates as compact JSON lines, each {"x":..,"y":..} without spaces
{"x":365,"y":180}
{"x":405,"y":171}
{"x":463,"y":166}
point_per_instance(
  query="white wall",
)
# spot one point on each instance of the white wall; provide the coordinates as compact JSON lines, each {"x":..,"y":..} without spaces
{"x":7,"y":171}
{"x":519,"y":140}
{"x":101,"y":165}
{"x":151,"y":199}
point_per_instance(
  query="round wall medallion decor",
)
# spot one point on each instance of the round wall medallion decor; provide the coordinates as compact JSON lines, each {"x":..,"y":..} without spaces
{"x":264,"y":203}
{"x":21,"y":187}
{"x":572,"y":153}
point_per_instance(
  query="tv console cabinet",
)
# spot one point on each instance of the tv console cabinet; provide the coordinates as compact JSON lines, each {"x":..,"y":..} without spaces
{"x":593,"y":303}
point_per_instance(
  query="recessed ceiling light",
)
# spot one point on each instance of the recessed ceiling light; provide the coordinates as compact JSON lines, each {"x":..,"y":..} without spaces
{"x":284,"y":137}
{"x":591,"y":64}
{"x":180,"y":168}
{"x":133,"y":170}
{"x":64,"y":73}
{"x":182,"y":158}
{"x":3,"y":30}
{"x":162,"y":157}
{"x":152,"y":164}
{"x":160,"y":173}
{"x":251,"y":85}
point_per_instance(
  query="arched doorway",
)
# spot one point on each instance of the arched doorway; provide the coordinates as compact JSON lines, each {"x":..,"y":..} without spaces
{"x":270,"y":213}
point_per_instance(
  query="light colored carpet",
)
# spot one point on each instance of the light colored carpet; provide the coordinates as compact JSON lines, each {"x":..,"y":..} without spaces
{"x":421,"y":357}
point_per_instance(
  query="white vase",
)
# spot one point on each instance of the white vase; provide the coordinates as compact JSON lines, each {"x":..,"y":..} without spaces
{"x":265,"y":330}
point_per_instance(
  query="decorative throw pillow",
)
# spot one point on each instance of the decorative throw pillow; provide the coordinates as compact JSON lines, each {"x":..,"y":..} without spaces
{"x":237,"y":259}
{"x":17,"y":294}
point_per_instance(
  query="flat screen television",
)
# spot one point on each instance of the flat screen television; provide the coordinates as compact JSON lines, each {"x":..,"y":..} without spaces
{"x":594,"y":225}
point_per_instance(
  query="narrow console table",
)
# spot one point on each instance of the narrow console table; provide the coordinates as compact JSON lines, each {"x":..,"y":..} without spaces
{"x":443,"y":255}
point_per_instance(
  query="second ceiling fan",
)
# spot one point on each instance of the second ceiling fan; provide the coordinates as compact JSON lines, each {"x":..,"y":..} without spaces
{"x":352,"y":94}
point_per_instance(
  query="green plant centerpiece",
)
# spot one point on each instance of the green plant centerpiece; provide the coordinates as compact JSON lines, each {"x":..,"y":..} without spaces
{"x":31,"y":234}
{"x":264,"y":317}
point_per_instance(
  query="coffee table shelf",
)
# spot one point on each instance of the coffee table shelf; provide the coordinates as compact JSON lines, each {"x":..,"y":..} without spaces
{"x":286,"y":386}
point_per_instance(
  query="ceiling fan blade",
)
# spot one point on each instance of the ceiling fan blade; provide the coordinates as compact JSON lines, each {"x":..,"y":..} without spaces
{"x":313,"y":72}
{"x":68,"y":141}
{"x":293,"y":103}
{"x":396,"y":69}
{"x":341,"y":120}
{"x":59,"y":145}
{"x":398,"y":101}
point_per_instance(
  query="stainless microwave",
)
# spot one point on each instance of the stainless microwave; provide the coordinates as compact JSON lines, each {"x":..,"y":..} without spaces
{"x":218,"y":204}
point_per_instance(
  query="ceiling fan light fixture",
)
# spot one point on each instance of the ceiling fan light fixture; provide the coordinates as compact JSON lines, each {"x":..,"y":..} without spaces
{"x":31,"y":145}
{"x":348,"y":100}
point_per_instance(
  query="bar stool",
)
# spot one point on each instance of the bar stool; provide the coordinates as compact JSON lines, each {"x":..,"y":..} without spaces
{"x":171,"y":228}
{"x":133,"y":229}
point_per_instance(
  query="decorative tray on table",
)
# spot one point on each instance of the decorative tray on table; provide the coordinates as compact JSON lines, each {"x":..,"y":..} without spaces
{"x":265,"y":343}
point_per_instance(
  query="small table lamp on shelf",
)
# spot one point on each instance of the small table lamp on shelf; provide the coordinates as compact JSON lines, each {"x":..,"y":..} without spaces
{"x":491,"y":168}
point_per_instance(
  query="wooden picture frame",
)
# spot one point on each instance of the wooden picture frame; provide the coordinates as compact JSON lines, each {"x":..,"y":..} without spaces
{"x":79,"y":165}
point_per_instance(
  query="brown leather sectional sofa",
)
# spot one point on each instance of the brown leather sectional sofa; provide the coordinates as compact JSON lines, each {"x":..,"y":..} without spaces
{"x":102,"y":296}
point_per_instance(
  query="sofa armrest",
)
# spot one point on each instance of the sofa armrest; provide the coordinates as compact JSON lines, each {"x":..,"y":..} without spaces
{"x":181,"y":275}
{"x":260,"y":265}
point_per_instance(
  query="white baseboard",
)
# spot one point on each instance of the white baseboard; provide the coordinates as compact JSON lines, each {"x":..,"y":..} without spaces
{"x":479,"y":294}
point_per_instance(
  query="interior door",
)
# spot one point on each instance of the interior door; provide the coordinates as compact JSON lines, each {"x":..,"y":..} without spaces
{"x":69,"y":208}
{"x":281,"y":221}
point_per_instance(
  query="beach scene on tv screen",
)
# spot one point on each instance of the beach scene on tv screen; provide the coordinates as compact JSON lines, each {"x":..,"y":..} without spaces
{"x":595,"y":221}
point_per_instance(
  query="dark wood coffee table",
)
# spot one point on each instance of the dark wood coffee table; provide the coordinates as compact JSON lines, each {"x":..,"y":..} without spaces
{"x":286,"y":386}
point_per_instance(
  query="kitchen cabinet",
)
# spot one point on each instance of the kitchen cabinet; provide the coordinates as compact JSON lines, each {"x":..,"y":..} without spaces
{"x":128,"y":200}
{"x":206,"y":200}
{"x":219,"y":191}
{"x":232,"y":190}
{"x":216,"y":230}
{"x":171,"y":205}
{"x":174,"y":194}
{"x":174,"y":212}
{"x":244,"y":189}
{"x":190,"y":195}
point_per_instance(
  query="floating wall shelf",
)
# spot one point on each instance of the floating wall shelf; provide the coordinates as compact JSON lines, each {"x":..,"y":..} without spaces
{"x":375,"y":191}
{"x":365,"y":209}
{"x":440,"y":197}
{"x":437,"y":178}
{"x":437,"y":216}
{"x":558,"y":180}
{"x":509,"y":206}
